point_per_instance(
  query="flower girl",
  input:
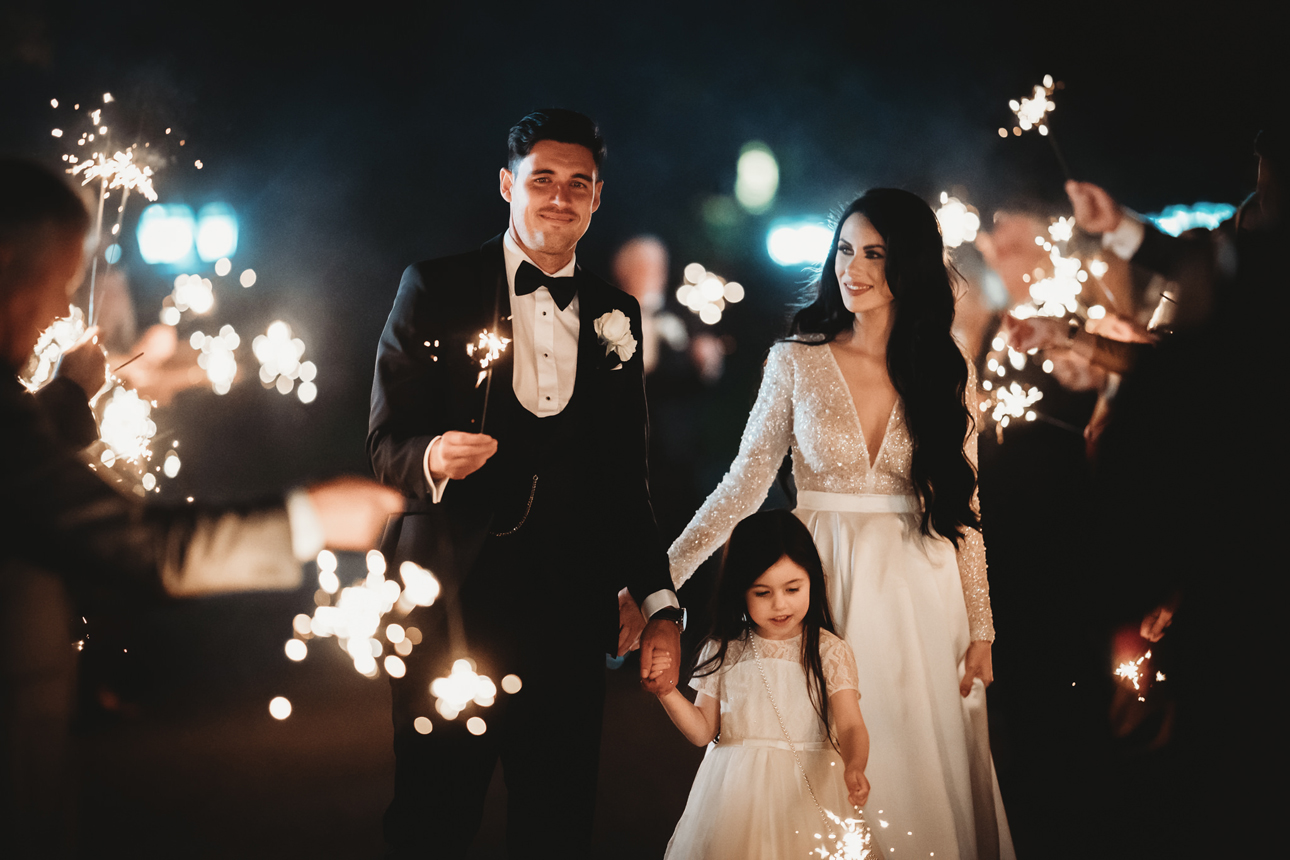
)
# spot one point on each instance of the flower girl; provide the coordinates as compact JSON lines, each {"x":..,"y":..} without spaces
{"x":778,"y":691}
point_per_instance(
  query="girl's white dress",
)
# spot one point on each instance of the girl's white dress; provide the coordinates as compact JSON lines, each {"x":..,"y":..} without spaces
{"x":749,"y":800}
{"x":907,"y":604}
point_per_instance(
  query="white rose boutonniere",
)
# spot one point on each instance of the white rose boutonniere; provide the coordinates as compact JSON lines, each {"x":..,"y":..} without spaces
{"x":615,"y":332}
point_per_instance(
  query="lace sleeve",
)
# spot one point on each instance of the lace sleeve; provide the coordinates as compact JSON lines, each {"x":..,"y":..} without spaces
{"x":971,"y":555}
{"x":839,"y":664}
{"x":711,"y":683}
{"x":765,"y":441}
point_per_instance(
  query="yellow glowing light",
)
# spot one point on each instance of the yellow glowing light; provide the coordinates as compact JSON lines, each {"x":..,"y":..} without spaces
{"x":423,"y":725}
{"x":296,"y":650}
{"x":279,"y":708}
{"x":223,"y":266}
{"x":959,"y":222}
{"x":476,"y":726}
{"x":247,"y":278}
{"x":394,"y":667}
{"x":301,"y":624}
{"x":511,"y":684}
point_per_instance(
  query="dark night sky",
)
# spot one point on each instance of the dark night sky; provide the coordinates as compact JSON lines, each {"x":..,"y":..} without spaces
{"x":354,"y":143}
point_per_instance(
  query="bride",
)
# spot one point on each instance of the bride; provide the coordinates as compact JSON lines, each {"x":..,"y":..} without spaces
{"x":868,"y":392}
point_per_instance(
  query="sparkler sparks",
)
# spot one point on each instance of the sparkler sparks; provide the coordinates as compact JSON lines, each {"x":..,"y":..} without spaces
{"x":490,"y":348}
{"x":707,"y":293}
{"x":461,"y":687}
{"x":1033,"y":112}
{"x":959,"y":222}
{"x":280,"y":353}
{"x":217,"y":357}
{"x":854,"y":841}
{"x":1131,"y":671}
{"x":119,"y":171}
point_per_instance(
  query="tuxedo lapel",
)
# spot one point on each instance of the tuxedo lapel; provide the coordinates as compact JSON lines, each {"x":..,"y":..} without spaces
{"x":495,"y":316}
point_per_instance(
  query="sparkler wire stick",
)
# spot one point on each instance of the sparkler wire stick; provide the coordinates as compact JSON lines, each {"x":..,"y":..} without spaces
{"x":98,"y":235}
{"x":488,"y":384}
{"x":126,"y":363}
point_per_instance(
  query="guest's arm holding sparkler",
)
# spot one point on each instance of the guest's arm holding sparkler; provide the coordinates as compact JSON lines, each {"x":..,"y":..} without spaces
{"x":81,"y":374}
{"x":1049,"y":333}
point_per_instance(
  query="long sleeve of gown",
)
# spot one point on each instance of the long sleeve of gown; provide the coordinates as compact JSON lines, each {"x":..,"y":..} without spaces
{"x":765,"y":441}
{"x":971,"y":554}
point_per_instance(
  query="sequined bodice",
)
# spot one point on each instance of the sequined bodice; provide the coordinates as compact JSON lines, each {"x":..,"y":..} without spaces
{"x":830,"y":453}
{"x":804,"y":406}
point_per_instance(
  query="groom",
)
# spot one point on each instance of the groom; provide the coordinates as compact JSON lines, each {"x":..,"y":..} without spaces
{"x":534,"y":527}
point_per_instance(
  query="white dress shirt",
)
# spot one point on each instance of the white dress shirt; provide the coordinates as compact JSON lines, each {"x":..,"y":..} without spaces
{"x":1125,"y":240}
{"x":544,"y":357}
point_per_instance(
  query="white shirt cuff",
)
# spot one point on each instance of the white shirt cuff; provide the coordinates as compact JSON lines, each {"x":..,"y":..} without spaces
{"x":1125,"y":240}
{"x":436,"y":487}
{"x":307,"y":535}
{"x":662,"y":599}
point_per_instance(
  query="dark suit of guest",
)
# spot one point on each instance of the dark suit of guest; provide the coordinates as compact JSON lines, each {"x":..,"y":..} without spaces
{"x":532,"y":549}
{"x":65,"y":532}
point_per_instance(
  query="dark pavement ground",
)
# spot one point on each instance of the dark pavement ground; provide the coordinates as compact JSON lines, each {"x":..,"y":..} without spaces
{"x":197,"y":768}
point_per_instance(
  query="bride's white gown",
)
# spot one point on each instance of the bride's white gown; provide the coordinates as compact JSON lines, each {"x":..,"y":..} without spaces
{"x":907,"y":604}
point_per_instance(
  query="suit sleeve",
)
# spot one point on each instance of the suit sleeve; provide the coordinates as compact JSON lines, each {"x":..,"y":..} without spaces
{"x":71,"y":522}
{"x":642,"y":548}
{"x":406,"y":388}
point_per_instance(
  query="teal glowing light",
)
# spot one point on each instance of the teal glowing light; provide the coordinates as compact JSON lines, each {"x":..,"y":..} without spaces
{"x":1175,"y":220}
{"x":165,"y":233}
{"x":216,"y":232}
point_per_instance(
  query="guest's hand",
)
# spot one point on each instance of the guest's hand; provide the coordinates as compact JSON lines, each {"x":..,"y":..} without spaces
{"x":85,"y":363}
{"x":353,"y":511}
{"x":1095,"y":210}
{"x":976,"y":665}
{"x":857,"y":786}
{"x":1035,"y":332}
{"x":1153,"y":626}
{"x":661,"y":639}
{"x":457,"y":454}
{"x":630,"y":623}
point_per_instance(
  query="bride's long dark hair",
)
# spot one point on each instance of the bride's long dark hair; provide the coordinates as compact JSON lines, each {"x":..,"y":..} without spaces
{"x":923,"y":360}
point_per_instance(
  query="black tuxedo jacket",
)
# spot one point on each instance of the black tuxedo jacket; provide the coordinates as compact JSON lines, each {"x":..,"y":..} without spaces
{"x":426,"y":384}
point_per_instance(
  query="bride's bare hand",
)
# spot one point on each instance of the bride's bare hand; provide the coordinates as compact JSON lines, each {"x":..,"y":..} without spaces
{"x":976,"y":664}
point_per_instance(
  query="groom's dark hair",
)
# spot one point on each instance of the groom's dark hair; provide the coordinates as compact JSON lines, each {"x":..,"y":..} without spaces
{"x":558,"y":124}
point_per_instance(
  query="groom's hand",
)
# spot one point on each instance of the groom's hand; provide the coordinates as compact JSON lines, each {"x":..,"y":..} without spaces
{"x":456,"y":454}
{"x":630,"y":623}
{"x":660,"y":635}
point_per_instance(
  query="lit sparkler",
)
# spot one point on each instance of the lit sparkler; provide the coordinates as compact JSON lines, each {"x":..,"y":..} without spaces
{"x":63,"y":333}
{"x":279,"y":353}
{"x":1032,"y":112}
{"x":217,"y":357}
{"x":1131,"y":671}
{"x":707,"y":294}
{"x":959,"y":222}
{"x":360,"y":618}
{"x":489,"y":348}
{"x":119,"y":171}
{"x":1056,"y":291}
{"x":854,"y":841}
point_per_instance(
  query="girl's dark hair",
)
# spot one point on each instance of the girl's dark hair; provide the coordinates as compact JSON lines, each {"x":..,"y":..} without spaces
{"x":923,"y":360}
{"x":755,"y":546}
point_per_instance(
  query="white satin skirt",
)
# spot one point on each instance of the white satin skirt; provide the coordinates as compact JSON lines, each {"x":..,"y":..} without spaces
{"x":898,"y":600}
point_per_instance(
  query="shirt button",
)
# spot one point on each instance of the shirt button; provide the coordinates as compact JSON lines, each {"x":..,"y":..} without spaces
{"x":548,"y":397}
{"x":543,"y":313}
{"x":546,"y":355}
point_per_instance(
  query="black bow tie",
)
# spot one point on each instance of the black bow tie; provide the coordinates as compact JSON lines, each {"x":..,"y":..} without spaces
{"x":529,"y":277}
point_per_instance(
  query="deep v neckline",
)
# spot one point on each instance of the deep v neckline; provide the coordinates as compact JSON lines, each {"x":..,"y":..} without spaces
{"x":855,"y":414}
